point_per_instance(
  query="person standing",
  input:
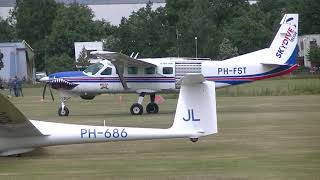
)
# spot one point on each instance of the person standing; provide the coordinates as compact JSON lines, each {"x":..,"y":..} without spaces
{"x":15,"y":86}
{"x":19,"y":87}
{"x":10,"y":84}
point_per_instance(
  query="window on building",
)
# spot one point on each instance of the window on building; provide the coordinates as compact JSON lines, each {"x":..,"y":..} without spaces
{"x":150,"y":70}
{"x":167,"y":70}
{"x":132,"y":70}
{"x":107,"y":71}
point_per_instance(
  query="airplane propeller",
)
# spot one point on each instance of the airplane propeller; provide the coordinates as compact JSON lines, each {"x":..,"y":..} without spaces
{"x":44,"y":91}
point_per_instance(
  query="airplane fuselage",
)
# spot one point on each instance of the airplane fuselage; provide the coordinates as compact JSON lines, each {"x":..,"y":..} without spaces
{"x":165,"y":77}
{"x":123,"y":74}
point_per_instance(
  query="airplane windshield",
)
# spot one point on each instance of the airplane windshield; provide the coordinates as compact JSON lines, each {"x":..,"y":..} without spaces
{"x":94,"y":68}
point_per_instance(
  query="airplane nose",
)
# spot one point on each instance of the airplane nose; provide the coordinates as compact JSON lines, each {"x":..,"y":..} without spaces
{"x":44,"y":79}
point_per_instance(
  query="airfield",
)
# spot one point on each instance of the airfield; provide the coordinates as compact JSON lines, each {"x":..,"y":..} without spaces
{"x":261,"y":136}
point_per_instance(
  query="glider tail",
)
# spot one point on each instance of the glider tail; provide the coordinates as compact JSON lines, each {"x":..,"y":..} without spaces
{"x":283,"y":49}
{"x":196,"y":108}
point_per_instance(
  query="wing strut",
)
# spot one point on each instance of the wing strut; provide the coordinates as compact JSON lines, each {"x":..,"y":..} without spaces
{"x":122,"y":80}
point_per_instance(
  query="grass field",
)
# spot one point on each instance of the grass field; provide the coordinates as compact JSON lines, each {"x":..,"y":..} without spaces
{"x":276,"y":87}
{"x":262,"y":137}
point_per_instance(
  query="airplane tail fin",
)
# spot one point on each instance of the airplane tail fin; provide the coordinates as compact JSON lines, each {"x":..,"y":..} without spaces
{"x":283,"y":49}
{"x":196,"y":108}
{"x":13,"y":123}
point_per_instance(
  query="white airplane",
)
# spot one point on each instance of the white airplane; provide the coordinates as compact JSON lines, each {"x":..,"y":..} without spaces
{"x":195,"y":117}
{"x":124,"y":74}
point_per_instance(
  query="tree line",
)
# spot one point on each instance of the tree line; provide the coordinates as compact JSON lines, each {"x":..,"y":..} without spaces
{"x":224,"y":28}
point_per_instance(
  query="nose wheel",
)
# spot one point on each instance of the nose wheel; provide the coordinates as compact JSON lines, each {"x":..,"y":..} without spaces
{"x":194,"y":139}
{"x":63,"y":110}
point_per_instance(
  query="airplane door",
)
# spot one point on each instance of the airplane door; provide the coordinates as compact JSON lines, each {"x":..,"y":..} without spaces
{"x":106,"y":79}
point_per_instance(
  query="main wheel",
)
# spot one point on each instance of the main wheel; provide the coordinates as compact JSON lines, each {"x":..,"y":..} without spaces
{"x":63,"y":112}
{"x":152,"y":108}
{"x":136,"y":109}
{"x":194,"y":139}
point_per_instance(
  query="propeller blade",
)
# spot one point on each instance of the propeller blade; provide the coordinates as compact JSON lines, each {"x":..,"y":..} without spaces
{"x":44,"y":91}
{"x":51,"y":93}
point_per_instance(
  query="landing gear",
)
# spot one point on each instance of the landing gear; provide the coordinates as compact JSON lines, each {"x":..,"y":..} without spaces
{"x":137,"y":108}
{"x":63,"y":110}
{"x":194,"y":139}
{"x":152,"y":108}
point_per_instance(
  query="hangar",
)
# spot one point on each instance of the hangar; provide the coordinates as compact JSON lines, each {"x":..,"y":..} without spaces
{"x":18,"y":60}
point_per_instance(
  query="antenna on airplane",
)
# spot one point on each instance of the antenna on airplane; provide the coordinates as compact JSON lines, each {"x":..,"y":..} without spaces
{"x":136,"y":55}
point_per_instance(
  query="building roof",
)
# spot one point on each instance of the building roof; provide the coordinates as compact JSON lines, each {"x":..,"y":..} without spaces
{"x":7,"y":3}
{"x":13,"y":44}
{"x":18,"y":45}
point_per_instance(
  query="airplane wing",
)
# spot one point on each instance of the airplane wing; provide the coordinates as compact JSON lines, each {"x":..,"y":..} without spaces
{"x":119,"y":58}
{"x":13,"y":123}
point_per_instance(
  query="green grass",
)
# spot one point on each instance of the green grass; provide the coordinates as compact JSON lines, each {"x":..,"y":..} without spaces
{"x":265,"y":137}
{"x":274,"y":87}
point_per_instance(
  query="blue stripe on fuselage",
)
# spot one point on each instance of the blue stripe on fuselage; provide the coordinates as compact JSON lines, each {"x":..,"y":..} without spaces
{"x":67,"y":74}
{"x":293,"y":58}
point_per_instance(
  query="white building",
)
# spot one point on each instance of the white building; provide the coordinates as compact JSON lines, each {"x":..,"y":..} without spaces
{"x":304,"y":43}
{"x":89,"y":47}
{"x":18,"y":60}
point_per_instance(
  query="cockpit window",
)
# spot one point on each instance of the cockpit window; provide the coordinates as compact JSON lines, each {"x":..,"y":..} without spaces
{"x":107,"y":71}
{"x":94,"y":68}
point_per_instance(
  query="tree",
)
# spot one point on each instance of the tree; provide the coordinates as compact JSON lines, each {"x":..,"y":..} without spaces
{"x":34,"y":19}
{"x":145,"y":32}
{"x":33,"y":22}
{"x":248,"y":32}
{"x":73,"y":23}
{"x":204,"y":19}
{"x":59,"y":63}
{"x":309,"y":16}
{"x":314,"y":54}
{"x":227,"y":50}
{"x":111,"y":43}
{"x":6,"y":31}
{"x":308,"y":10}
{"x":83,"y":59}
{"x":197,"y":23}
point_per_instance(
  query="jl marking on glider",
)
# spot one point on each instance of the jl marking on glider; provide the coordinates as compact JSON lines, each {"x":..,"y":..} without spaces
{"x":123,"y":74}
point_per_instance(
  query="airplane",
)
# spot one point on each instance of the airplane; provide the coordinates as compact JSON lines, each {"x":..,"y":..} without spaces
{"x":120,"y":73}
{"x":195,"y":117}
